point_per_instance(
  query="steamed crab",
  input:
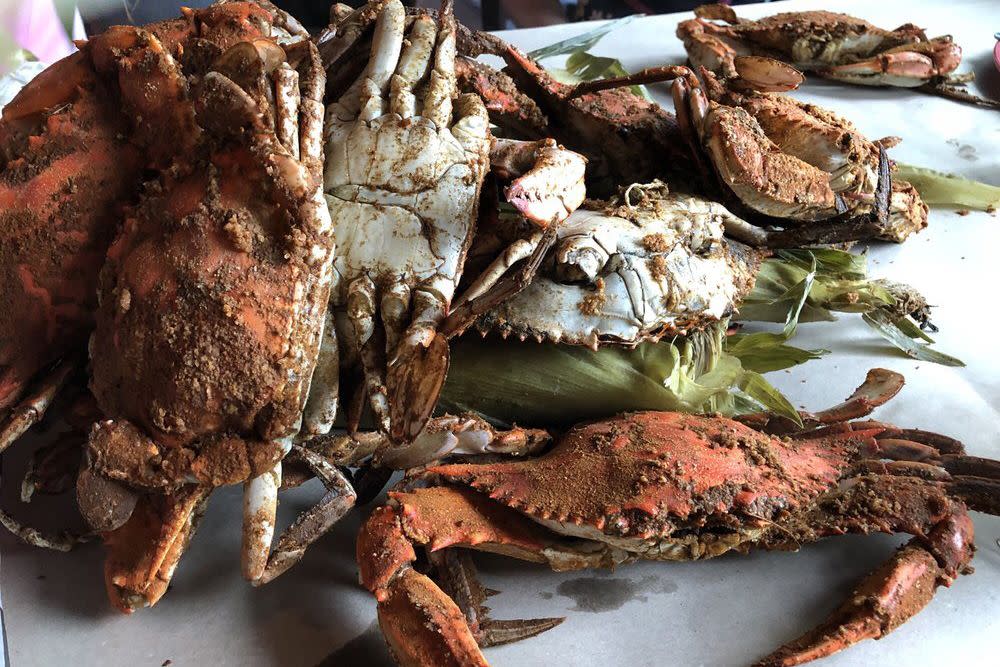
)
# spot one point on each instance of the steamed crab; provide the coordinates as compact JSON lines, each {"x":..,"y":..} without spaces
{"x":212,"y":298}
{"x":214,"y":294}
{"x":626,"y":138}
{"x":644,"y":264}
{"x":72,"y":154}
{"x":832,"y":45}
{"x":672,"y":486}
{"x":835,"y":46}
{"x":407,"y":158}
{"x":794,"y":161}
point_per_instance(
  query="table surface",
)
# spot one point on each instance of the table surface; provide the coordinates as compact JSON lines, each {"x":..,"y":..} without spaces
{"x":728,"y":611}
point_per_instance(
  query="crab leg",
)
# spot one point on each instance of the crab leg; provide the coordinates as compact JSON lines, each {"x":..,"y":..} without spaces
{"x":885,"y":599}
{"x":908,"y":66}
{"x":260,"y":507}
{"x":648,"y":75}
{"x":417,"y":373}
{"x":62,"y":542}
{"x":879,"y":387}
{"x":324,"y":391}
{"x":511,"y":255}
{"x":32,"y":407}
{"x":941,"y":550}
{"x":463,"y":435}
{"x":144,"y":552}
{"x":414,"y":65}
{"x":456,"y":575}
{"x":313,"y":523}
{"x":53,"y":467}
{"x":286,"y":100}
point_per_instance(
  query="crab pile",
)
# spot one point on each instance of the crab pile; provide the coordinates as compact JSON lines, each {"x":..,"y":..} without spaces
{"x":234,"y":253}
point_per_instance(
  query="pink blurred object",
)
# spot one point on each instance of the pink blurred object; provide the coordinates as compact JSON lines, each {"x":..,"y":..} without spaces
{"x":996,"y":52}
{"x":35,"y":27}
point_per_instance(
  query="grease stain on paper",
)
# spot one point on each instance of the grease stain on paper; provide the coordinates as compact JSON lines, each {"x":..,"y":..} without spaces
{"x":965,"y":151}
{"x":600,"y":594}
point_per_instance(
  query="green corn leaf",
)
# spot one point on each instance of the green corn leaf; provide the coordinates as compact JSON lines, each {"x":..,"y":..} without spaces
{"x":831,"y":281}
{"x":939,"y":188}
{"x":886,"y":326}
{"x":764,"y":351}
{"x":581,"y":42}
{"x":762,"y":392}
{"x":544,"y":384}
{"x":583,"y":66}
{"x":763,"y":356}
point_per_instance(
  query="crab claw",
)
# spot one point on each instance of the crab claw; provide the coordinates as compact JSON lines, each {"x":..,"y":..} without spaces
{"x":143,"y":553}
{"x":767,"y":75}
{"x":548,"y":183}
{"x":413,"y":383}
{"x":908,"y":66}
{"x":422,"y":624}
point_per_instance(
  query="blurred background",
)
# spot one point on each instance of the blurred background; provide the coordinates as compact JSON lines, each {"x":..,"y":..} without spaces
{"x":44,"y":29}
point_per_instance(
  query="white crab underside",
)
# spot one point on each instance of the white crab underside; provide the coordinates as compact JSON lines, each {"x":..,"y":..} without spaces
{"x":615,"y":278}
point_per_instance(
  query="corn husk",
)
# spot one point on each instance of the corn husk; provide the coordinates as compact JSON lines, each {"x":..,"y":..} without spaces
{"x":937,"y":188}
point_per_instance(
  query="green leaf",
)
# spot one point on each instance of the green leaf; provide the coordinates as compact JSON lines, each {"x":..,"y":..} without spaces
{"x":840,"y":284}
{"x":760,"y":390}
{"x":910,"y":328}
{"x":884,"y":324}
{"x":939,"y":188}
{"x":581,"y":42}
{"x":583,"y":66}
{"x":764,"y":351}
{"x":545,"y":384}
{"x":763,"y":356}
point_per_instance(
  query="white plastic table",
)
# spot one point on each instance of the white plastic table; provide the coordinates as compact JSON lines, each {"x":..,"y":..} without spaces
{"x":728,"y":611}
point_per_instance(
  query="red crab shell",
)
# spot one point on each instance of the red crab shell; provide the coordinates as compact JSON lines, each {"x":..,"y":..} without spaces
{"x":73,"y":145}
{"x":199,"y":303}
{"x":63,"y":178}
{"x":647,"y":474}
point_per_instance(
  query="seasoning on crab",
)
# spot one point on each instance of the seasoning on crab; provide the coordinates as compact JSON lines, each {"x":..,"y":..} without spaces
{"x":780,"y":170}
{"x":832,"y":45}
{"x":790,"y":160}
{"x":674,"y":486}
{"x":211,"y":300}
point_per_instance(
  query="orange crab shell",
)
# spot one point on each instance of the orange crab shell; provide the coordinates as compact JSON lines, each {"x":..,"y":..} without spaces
{"x":60,"y":193}
{"x":646,"y":474}
{"x":70,"y":162}
{"x":201,"y":286}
